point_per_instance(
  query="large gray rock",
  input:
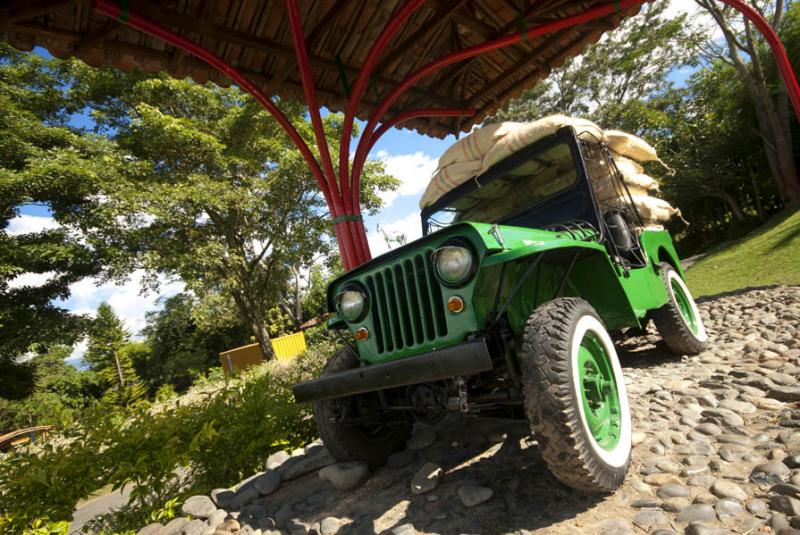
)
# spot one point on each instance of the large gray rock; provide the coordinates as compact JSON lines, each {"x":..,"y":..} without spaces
{"x":267,"y":482}
{"x":329,"y":525}
{"x":426,"y":479}
{"x":771,"y":472}
{"x":345,"y":476}
{"x":243,"y":497}
{"x":174,"y":526}
{"x":275,"y":460}
{"x":785,"y":504}
{"x":194,"y":527}
{"x":472,"y":495}
{"x":199,"y":507}
{"x":728,"y":489}
{"x":785,"y":393}
{"x":151,"y":529}
{"x":697,"y":512}
{"x":306,"y":465}
{"x":222,"y":497}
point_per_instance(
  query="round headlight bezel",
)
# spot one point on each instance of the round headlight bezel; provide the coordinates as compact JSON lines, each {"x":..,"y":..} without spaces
{"x":352,"y":288}
{"x":468,"y":273}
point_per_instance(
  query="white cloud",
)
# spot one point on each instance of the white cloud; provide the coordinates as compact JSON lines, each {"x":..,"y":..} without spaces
{"x":409,"y":226}
{"x":413,"y":170}
{"x":33,"y":280}
{"x":126,"y":298}
{"x":24,"y":224}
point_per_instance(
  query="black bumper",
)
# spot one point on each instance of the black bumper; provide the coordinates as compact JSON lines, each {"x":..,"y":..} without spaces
{"x":464,"y":359}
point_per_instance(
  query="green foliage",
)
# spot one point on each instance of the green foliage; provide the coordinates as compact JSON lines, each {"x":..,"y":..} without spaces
{"x":58,"y":392}
{"x":177,"y":347}
{"x":769,"y":255}
{"x":46,"y":162}
{"x":625,"y":67}
{"x":215,"y":193}
{"x":217,"y":440}
{"x":110,"y":355}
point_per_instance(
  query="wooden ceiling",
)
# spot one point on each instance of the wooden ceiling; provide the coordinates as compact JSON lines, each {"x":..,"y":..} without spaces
{"x":253,"y":36}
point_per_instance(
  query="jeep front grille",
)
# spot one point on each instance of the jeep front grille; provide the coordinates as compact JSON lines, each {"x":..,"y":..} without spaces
{"x":406,"y":308}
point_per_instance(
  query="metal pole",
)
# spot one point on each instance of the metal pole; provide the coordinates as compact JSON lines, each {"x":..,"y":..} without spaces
{"x":359,"y":87}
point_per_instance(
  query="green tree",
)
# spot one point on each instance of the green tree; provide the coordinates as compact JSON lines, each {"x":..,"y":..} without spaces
{"x":215,"y":192}
{"x":746,"y":52}
{"x":625,"y":67}
{"x":177,"y":348}
{"x":108,"y":355}
{"x":45,"y":162}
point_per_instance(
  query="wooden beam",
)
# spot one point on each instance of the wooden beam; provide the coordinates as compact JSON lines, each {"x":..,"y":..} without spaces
{"x":222,"y":33}
{"x":525,"y":80}
{"x":28,"y":9}
{"x":318,"y":30}
{"x":440,"y":17}
{"x":96,"y":36}
{"x":521,"y":65}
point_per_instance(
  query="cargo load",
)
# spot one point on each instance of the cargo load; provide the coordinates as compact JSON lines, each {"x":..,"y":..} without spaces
{"x":484,"y":147}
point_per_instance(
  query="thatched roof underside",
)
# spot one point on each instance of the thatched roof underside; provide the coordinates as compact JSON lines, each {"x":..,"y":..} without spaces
{"x":254,"y":36}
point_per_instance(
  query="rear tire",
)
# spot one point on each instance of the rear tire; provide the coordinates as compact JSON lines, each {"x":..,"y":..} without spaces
{"x":370,"y":443}
{"x":679,"y":321}
{"x":575,"y":396}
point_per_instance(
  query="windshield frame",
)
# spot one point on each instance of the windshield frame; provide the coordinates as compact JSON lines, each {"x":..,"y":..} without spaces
{"x":565,"y":135}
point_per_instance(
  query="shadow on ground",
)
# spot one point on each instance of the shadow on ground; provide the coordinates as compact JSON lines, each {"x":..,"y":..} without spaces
{"x":498,"y":454}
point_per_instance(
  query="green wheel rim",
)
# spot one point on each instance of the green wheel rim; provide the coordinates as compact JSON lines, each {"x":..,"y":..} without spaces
{"x":598,"y":391}
{"x":685,"y":306}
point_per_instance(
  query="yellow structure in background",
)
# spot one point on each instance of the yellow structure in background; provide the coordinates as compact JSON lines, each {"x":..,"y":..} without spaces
{"x":242,"y":358}
{"x":289,"y":346}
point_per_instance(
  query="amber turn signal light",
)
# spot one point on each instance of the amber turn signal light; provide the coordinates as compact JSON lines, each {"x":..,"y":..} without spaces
{"x":455,"y":304}
{"x":362,"y":334}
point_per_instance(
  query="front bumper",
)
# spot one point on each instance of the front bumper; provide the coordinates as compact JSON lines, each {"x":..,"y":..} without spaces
{"x":463,"y":359}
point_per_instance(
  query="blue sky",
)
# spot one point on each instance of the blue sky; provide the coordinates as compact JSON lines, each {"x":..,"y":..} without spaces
{"x":409,"y":156}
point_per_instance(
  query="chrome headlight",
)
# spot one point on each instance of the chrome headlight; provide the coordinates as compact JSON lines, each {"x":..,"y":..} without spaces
{"x":351,"y":303}
{"x":454,"y":264}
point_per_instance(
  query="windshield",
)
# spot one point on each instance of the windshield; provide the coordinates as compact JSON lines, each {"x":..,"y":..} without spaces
{"x":534,"y":180}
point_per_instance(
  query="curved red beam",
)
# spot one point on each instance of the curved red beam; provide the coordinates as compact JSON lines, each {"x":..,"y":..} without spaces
{"x":144,"y":25}
{"x":360,"y":86}
{"x":778,"y":50}
{"x":416,"y":114}
{"x":351,"y":254}
{"x":460,"y":55}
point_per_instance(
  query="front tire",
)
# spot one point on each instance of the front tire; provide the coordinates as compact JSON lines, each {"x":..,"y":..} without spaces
{"x":679,"y":321}
{"x":347,"y":442}
{"x":575,"y":395}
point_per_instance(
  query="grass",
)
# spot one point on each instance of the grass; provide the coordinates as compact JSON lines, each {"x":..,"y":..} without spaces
{"x":768,"y":255}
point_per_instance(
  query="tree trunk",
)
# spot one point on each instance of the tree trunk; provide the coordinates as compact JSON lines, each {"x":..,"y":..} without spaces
{"x":262,"y":337}
{"x":119,"y":371}
{"x":298,"y":305}
{"x":730,"y":202}
{"x":772,"y":115}
{"x":756,"y":194}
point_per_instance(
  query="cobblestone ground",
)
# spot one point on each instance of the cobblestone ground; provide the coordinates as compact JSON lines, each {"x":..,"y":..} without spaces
{"x":717,"y":450}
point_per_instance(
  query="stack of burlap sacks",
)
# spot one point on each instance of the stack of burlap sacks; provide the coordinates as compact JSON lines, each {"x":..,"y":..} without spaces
{"x":475,"y":153}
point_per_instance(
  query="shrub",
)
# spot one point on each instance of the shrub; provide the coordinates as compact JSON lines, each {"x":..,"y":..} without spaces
{"x":215,"y":440}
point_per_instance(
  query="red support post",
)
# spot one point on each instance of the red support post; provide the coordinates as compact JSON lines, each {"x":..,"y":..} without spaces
{"x":359,"y":87}
{"x":351,"y":250}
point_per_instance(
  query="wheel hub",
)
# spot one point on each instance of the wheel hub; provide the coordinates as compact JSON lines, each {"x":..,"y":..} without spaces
{"x":599,"y":394}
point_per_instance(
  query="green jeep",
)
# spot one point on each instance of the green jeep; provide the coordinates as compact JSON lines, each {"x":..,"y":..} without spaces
{"x":504,"y":308}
